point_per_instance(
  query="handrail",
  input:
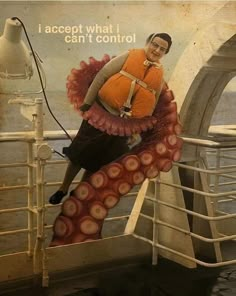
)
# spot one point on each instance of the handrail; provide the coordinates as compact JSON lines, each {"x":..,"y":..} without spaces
{"x":28,"y":136}
{"x":207,"y":142}
{"x":217,"y":142}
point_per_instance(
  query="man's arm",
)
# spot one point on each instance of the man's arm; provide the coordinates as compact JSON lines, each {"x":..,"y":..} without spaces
{"x":112,"y":67}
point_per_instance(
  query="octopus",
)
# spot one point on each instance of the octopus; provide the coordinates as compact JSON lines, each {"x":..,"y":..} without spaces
{"x":84,"y":211}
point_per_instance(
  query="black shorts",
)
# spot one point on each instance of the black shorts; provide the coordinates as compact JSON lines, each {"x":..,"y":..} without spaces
{"x":92,"y":148}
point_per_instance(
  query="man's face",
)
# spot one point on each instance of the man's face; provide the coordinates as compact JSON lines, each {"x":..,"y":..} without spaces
{"x":156,"y":49}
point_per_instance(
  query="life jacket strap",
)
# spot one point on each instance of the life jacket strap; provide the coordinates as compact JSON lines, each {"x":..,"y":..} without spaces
{"x":135,"y":81}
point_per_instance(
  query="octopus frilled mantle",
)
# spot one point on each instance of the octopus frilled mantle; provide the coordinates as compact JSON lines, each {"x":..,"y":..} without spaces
{"x":83,"y":212}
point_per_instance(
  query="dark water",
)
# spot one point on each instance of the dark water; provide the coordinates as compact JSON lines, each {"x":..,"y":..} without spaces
{"x":165,"y":279}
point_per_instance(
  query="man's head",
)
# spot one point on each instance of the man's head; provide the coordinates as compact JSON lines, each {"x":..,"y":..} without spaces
{"x":157,"y":45}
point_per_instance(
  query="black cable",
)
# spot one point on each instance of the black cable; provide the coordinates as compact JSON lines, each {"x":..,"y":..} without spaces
{"x":40,"y":78}
{"x":58,"y":153}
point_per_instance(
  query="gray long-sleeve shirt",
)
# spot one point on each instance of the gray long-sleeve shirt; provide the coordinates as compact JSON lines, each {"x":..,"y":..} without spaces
{"x":112,"y":67}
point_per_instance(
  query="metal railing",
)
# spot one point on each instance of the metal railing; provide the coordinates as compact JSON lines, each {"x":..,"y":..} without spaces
{"x":209,"y":192}
{"x":35,"y":190}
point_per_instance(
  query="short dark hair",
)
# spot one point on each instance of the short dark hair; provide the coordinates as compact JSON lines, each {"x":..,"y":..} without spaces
{"x":163,"y":36}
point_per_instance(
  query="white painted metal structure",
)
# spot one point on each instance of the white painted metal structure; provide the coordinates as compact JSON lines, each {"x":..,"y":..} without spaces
{"x":159,"y":222}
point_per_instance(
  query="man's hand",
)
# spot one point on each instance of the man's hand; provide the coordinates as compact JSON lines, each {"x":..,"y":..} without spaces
{"x":85,"y":107}
{"x":134,"y":139}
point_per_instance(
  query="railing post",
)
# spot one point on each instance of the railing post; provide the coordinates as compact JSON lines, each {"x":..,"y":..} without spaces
{"x":30,"y":171}
{"x":42,"y":152}
{"x":155,"y":227}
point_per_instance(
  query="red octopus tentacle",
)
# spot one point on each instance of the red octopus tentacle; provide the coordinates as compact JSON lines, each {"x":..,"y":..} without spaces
{"x":77,"y":85}
{"x":84,"y":211}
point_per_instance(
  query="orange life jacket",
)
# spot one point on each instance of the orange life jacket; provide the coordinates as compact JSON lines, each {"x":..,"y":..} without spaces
{"x":116,"y":89}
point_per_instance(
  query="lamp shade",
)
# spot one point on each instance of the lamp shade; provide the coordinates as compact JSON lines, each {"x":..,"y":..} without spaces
{"x":15,"y":58}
